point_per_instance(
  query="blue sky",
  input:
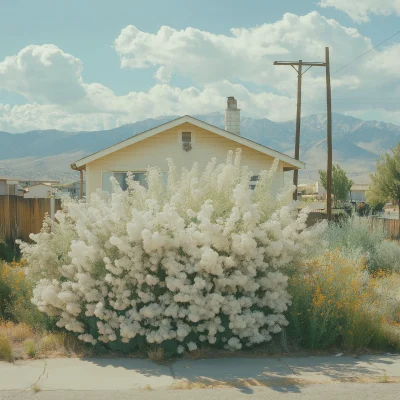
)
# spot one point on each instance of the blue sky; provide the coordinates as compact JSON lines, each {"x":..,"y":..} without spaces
{"x":86,"y":30}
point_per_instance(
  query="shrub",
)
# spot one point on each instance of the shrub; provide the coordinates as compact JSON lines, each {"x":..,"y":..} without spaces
{"x":62,"y":343}
{"x":367,"y":238}
{"x":15,"y":297}
{"x":201,"y":259}
{"x":12,"y":287}
{"x":5,"y":349}
{"x":9,"y":250}
{"x":30,"y":348}
{"x":52,"y":342}
{"x":335,"y":301}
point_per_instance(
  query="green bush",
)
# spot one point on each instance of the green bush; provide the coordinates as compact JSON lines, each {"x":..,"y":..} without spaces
{"x":9,"y":251}
{"x":361,"y":236}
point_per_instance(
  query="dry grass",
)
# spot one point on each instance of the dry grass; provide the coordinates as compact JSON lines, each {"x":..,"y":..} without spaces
{"x":156,"y":354}
{"x":52,"y":342}
{"x":26,"y":342}
{"x":30,"y":348}
{"x":18,"y":335}
{"x":17,"y":332}
{"x":6,"y":353}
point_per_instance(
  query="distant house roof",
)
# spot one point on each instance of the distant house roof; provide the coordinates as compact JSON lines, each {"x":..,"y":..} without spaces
{"x":80,"y":164}
{"x":9,"y":181}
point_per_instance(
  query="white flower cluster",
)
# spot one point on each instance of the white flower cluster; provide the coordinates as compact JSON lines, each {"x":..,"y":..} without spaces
{"x":200,"y":259}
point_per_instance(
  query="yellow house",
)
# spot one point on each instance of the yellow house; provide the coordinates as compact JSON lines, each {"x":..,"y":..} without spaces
{"x":185,"y":140}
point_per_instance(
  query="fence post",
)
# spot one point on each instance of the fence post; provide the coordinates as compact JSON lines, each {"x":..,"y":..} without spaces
{"x":52,"y":207}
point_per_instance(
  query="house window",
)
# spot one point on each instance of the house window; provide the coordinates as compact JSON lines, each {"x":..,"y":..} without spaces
{"x":121,"y":179}
{"x":187,"y":141}
{"x":253,"y":181}
{"x":186,"y":137}
{"x":137,"y":176}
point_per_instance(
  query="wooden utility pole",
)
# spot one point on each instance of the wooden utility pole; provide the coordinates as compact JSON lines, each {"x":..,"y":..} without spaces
{"x":300,"y":74}
{"x":325,"y":64}
{"x":329,"y":136}
{"x":298,"y":122}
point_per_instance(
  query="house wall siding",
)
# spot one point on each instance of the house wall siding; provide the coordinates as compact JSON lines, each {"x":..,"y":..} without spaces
{"x":155,"y":150}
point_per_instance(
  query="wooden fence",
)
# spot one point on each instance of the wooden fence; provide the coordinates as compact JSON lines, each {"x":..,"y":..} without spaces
{"x":392,"y":226}
{"x":19,"y":217}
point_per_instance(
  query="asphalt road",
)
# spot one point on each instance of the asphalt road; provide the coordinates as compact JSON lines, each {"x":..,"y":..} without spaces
{"x":333,"y":391}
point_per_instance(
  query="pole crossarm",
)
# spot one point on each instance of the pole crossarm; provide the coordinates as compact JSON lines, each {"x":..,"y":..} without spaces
{"x":305,"y":63}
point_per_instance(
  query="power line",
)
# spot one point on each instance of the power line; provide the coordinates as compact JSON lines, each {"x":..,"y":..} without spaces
{"x":369,"y":100}
{"x":362,"y":55}
{"x":364,"y":98}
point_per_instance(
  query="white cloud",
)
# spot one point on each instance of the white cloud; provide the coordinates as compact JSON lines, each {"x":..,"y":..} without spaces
{"x":359,"y":10}
{"x":219,"y":66}
{"x":246,"y":54}
{"x":102,"y":109}
{"x":44,"y":74}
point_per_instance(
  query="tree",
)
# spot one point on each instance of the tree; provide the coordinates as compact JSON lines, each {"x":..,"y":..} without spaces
{"x":385,"y":182}
{"x":341,"y":184}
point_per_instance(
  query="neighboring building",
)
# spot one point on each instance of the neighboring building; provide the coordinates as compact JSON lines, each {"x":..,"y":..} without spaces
{"x":185,"y":140}
{"x":72,"y":190}
{"x":358,"y":191}
{"x":10,"y":186}
{"x":310,"y":189}
{"x":29,"y":182}
{"x":40,"y":191}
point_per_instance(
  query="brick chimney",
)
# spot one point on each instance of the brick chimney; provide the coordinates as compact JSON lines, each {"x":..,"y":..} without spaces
{"x":232,"y":116}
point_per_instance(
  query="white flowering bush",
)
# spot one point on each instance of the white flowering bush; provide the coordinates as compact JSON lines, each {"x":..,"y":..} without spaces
{"x":201,"y":259}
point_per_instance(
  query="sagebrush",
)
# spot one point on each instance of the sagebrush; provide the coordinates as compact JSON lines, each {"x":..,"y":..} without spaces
{"x":364,"y":237}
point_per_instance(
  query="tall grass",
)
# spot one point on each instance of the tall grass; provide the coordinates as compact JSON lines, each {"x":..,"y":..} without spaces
{"x":15,"y":298}
{"x":5,"y":349}
{"x":367,"y":238}
{"x":336,"y":302}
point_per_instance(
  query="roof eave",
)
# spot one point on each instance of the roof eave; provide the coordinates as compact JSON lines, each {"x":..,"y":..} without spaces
{"x":81,"y":164}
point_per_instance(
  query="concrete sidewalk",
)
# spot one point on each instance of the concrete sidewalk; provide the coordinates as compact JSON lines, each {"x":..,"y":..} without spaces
{"x":102,"y":374}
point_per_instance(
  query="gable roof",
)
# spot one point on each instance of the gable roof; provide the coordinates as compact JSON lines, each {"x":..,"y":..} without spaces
{"x":194,"y":121}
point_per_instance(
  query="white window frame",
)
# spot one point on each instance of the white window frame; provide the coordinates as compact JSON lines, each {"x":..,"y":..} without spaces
{"x":193,"y":139}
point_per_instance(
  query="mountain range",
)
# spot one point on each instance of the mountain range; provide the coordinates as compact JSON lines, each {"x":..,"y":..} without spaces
{"x":356,"y":144}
